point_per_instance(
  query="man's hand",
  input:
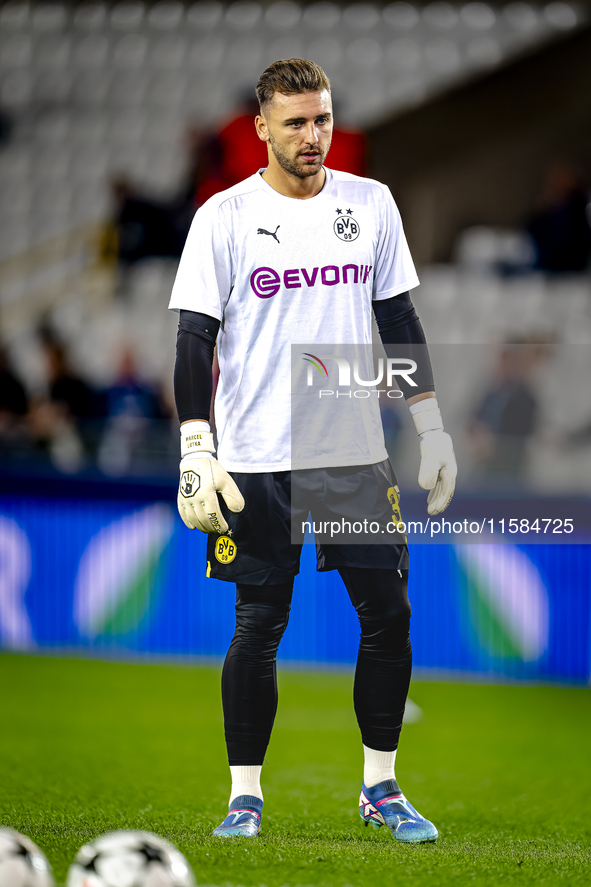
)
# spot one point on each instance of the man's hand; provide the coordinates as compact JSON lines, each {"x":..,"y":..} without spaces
{"x":202,"y":478}
{"x":438,"y":469}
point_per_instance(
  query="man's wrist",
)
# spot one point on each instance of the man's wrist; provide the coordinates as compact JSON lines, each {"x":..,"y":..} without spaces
{"x":198,"y":424}
{"x":200,"y":454}
{"x":196,"y":439}
{"x":426,"y":416}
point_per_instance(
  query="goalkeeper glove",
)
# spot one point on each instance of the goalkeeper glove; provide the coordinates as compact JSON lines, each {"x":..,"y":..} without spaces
{"x":202,"y":478}
{"x":438,"y":469}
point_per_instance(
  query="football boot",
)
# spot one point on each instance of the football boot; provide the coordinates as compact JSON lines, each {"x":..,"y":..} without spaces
{"x":384,"y":804}
{"x":243,"y":819}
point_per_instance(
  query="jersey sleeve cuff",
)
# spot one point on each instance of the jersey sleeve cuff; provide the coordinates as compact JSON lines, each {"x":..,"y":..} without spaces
{"x":409,"y":284}
{"x":210,"y":310}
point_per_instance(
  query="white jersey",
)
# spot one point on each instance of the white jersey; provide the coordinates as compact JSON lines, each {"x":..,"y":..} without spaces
{"x":278,"y":271}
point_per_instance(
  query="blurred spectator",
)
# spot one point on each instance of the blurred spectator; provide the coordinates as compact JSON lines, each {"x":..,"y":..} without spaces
{"x":506,"y":416}
{"x":13,"y":408}
{"x":13,"y":398}
{"x":506,"y":251}
{"x":5,"y":127}
{"x":130,"y":408}
{"x":348,"y":151}
{"x":556,"y":239}
{"x":145,"y":228}
{"x":560,"y":228}
{"x":243,"y":153}
{"x":221,"y":159}
{"x":65,"y":387}
{"x":60,"y":423}
{"x":56,"y":436}
{"x":204,"y":176}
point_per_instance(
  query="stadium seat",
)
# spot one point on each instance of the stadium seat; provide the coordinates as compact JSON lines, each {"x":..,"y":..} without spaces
{"x":283,"y":15}
{"x":14,"y":16}
{"x":91,"y":51}
{"x":359,"y":17}
{"x":205,"y":15}
{"x":49,"y":17}
{"x":322,"y":16}
{"x":166,"y":16}
{"x":127,"y":16}
{"x":16,"y":51}
{"x":440,"y":16}
{"x":243,"y":14}
{"x":90,"y":16}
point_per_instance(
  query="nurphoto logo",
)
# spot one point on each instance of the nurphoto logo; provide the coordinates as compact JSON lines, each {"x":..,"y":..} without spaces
{"x":387,"y":369}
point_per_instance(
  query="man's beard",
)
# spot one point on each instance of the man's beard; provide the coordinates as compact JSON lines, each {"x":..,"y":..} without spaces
{"x":289,"y":165}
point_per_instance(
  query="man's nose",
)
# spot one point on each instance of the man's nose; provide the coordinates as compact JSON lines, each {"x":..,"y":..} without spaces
{"x":311,"y":133}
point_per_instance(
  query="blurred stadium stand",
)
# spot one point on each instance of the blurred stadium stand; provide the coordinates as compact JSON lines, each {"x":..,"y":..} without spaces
{"x":466,"y":106}
{"x":96,"y":87}
{"x":478,"y":153}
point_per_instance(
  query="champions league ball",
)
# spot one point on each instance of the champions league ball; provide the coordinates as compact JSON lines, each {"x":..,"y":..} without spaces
{"x":130,"y":859}
{"x":22,"y":864}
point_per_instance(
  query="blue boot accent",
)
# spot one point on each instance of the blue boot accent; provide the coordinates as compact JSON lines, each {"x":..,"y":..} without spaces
{"x":384,"y":804}
{"x":243,"y":819}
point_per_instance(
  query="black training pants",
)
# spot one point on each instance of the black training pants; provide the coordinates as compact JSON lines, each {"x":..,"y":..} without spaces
{"x":382,"y":675}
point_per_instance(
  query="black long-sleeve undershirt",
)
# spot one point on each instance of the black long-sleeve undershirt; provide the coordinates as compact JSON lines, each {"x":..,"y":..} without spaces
{"x":193,"y":380}
{"x":398,"y":325}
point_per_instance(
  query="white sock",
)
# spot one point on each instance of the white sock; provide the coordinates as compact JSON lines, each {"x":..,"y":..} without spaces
{"x":246,"y":781}
{"x":378,"y":766}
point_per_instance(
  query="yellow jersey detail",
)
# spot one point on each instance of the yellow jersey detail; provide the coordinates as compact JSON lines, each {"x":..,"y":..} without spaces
{"x":394,"y":500}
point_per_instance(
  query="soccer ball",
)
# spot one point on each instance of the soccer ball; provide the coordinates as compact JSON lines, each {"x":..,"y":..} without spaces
{"x":22,"y":864}
{"x":130,"y":859}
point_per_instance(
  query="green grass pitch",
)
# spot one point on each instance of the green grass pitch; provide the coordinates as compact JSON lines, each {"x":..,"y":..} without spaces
{"x":503,"y":771}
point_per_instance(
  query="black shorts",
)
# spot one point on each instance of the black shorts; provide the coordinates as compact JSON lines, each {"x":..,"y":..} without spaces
{"x":353,"y":513}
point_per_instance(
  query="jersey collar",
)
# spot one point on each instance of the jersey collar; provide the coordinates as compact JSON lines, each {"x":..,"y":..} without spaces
{"x":324,"y":192}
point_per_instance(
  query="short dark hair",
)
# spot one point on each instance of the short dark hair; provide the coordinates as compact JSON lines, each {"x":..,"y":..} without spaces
{"x":290,"y":77}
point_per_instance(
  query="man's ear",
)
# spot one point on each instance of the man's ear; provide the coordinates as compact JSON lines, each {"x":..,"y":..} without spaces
{"x":261,"y":128}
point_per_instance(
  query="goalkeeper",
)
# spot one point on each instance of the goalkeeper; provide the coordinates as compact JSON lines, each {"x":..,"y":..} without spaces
{"x":300,"y":253}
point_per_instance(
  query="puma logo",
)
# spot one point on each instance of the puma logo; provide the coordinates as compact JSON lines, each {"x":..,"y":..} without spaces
{"x":270,"y":233}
